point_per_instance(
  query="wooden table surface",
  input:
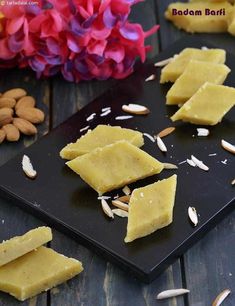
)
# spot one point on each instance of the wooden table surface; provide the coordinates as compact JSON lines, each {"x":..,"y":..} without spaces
{"x":206,"y":269}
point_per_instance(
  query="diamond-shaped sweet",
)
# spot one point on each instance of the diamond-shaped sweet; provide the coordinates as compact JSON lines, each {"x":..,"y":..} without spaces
{"x":151,"y":208}
{"x":114,"y":166}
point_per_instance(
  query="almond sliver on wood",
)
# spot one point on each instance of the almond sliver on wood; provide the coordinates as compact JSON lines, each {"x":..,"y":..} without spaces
{"x":221,"y":297}
{"x":28,"y":167}
{"x":136,"y":109}
{"x":171,"y":293}
{"x":228,"y":146}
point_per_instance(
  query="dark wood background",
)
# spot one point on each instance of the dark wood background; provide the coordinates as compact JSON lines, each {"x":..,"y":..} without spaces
{"x":206,"y":269}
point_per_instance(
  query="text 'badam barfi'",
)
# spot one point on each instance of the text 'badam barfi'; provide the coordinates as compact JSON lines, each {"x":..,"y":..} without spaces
{"x":201,"y":17}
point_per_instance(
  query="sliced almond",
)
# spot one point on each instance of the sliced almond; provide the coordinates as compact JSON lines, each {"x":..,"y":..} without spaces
{"x":28,"y":167}
{"x":163,"y":62}
{"x":120,"y":212}
{"x":233,"y":182}
{"x":221,"y":297}
{"x":106,"y":209}
{"x":202,"y":132}
{"x":199,"y":163}
{"x":126,"y":190}
{"x":167,"y":131}
{"x":192,"y":213}
{"x":191,"y":163}
{"x":123,"y":117}
{"x":150,"y":78}
{"x":120,"y":205}
{"x":228,"y":146}
{"x":135,"y":109}
{"x":161,"y":144}
{"x":125,"y":198}
{"x":150,"y":137}
{"x":170,"y":166}
{"x":171,"y":293}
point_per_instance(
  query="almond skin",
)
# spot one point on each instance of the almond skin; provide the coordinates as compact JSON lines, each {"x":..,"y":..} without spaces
{"x":25,"y":102}
{"x":34,"y":115}
{"x":5,"y":115}
{"x":12,"y":133}
{"x":15,"y":93}
{"x":7,"y":102}
{"x":2,"y":135}
{"x":24,"y":126}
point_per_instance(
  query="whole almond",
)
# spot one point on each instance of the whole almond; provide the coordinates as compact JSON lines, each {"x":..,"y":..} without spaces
{"x":15,"y":93}
{"x":2,"y":135}
{"x":5,"y":115}
{"x":12,"y":133}
{"x":34,"y":115}
{"x":25,"y":102}
{"x":24,"y":126}
{"x":7,"y":102}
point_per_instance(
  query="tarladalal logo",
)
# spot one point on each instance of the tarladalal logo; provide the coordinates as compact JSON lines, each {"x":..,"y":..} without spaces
{"x":20,"y":2}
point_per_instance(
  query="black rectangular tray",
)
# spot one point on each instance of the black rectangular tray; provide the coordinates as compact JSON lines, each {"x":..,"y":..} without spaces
{"x":59,"y":197}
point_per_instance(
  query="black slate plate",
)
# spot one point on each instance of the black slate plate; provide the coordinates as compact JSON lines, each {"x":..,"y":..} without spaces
{"x":64,"y":201}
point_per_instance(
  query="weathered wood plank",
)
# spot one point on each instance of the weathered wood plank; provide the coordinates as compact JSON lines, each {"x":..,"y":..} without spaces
{"x":209,"y":265}
{"x":14,"y":221}
{"x":102,"y":283}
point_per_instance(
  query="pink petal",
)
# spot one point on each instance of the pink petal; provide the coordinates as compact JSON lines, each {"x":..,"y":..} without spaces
{"x":13,"y":25}
{"x":97,"y":47}
{"x":115,"y":53}
{"x":5,"y":54}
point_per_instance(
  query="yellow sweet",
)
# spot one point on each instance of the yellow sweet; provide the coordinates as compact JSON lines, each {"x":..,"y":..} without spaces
{"x":176,"y":67}
{"x":114,"y":166}
{"x":231,"y":23}
{"x":208,"y":106}
{"x":37,"y":271}
{"x":201,"y":17}
{"x":195,"y":75}
{"x":20,"y":245}
{"x":101,"y":136}
{"x":151,"y":208}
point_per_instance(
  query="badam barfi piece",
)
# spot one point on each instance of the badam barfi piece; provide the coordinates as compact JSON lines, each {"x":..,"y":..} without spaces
{"x":114,"y":166}
{"x":101,"y":136}
{"x":151,"y":208}
{"x":20,"y":245}
{"x":208,"y":106}
{"x":231,"y":23}
{"x":201,"y":17}
{"x":195,"y":75}
{"x":176,"y":67}
{"x":231,"y":1}
{"x":37,"y":271}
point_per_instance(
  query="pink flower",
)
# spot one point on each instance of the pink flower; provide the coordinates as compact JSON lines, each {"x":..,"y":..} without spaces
{"x":82,"y":39}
